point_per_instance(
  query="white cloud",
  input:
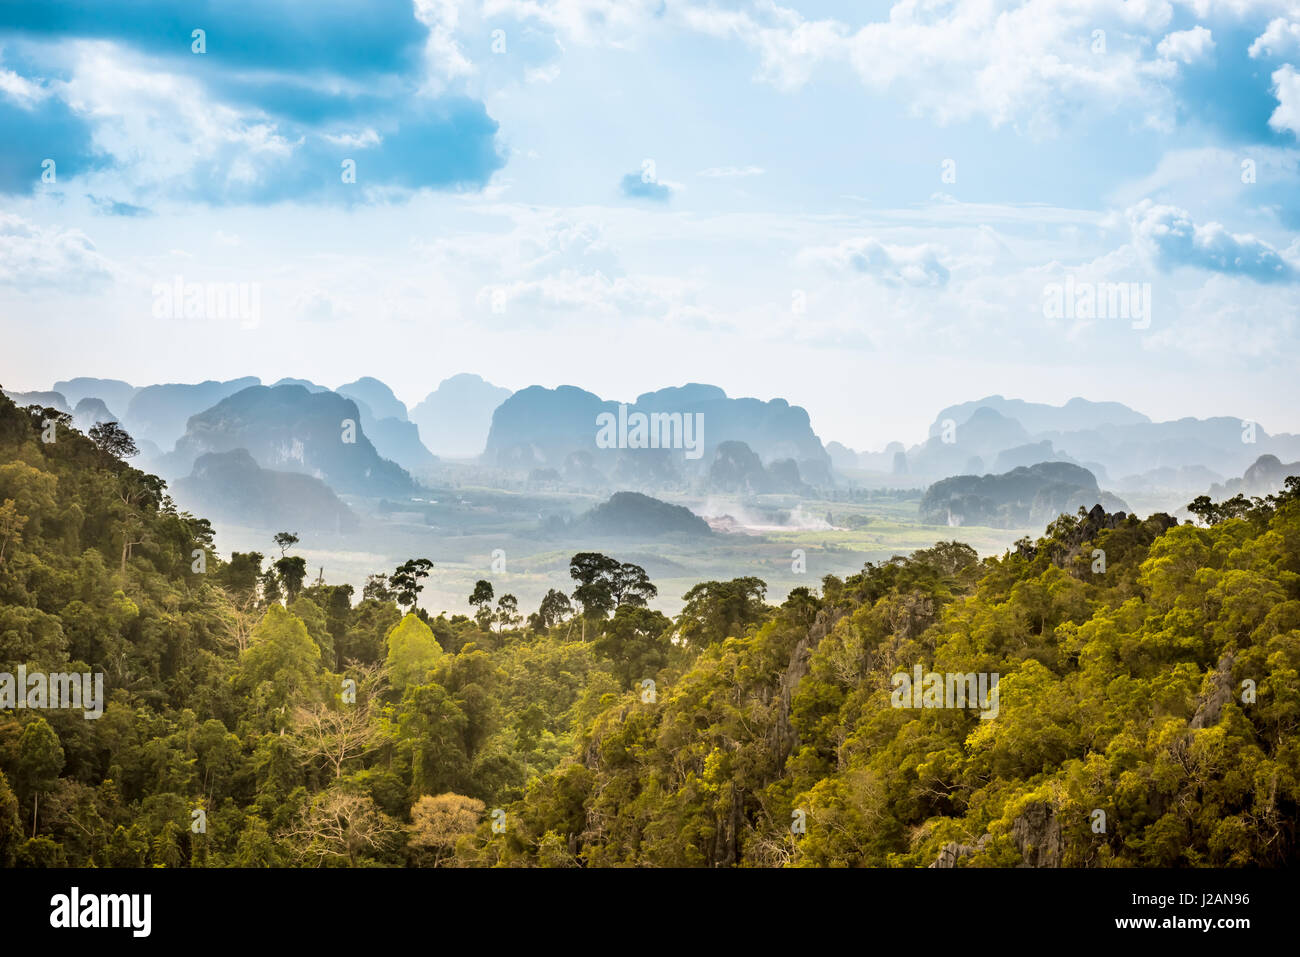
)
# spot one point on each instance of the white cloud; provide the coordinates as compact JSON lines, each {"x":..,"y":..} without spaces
{"x":21,"y":90}
{"x":1028,"y":63}
{"x":444,"y":60}
{"x":1280,"y":38}
{"x":1187,"y":46}
{"x":161,"y":128}
{"x":1286,"y":87}
{"x":363,"y":140}
{"x":1170,"y":238}
{"x":919,"y":265}
{"x":547,"y":73}
{"x":569,"y":291}
{"x":32,"y":256}
{"x":609,"y":22}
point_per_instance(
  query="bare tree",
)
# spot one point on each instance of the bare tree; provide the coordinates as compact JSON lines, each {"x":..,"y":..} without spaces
{"x":342,"y":825}
{"x":243,"y":616}
{"x":339,"y":734}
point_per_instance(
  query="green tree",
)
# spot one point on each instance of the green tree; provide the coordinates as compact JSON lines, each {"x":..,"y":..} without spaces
{"x":405,"y":581}
{"x":413,"y":651}
{"x":637,"y":641}
{"x":715,"y":610}
{"x":113,"y":441}
{"x":282,"y":662}
{"x":554,"y":609}
{"x":481,"y":600}
{"x":292,"y":572}
{"x":376,"y":588}
{"x":40,"y":759}
{"x":507,"y":612}
{"x":594,"y":574}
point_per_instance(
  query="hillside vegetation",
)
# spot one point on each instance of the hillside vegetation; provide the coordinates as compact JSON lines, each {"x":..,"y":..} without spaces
{"x":1147,"y":670}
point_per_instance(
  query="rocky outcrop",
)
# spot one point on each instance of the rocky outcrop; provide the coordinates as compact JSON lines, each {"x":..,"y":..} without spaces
{"x":1037,"y":835}
{"x":1210,"y":706}
{"x":784,"y":737}
{"x":952,"y":852}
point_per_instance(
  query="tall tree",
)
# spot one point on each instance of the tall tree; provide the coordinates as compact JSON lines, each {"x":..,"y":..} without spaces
{"x":594,"y":574}
{"x":285,"y":541}
{"x":507,"y":612}
{"x":292,"y":570}
{"x":481,"y":599}
{"x":405,"y":581}
{"x":714,"y":611}
{"x":113,"y":441}
{"x":40,"y":759}
{"x":555,"y":607}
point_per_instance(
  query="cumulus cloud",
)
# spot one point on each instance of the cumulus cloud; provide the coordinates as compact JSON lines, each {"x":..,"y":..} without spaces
{"x":1286,"y":87}
{"x":1280,"y":38}
{"x":1169,"y":237}
{"x":1187,"y":46}
{"x":918,"y":265}
{"x":1012,"y":62}
{"x":299,"y":89}
{"x":272,"y":35}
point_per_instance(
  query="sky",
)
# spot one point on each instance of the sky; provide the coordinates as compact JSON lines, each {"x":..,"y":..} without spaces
{"x":865,"y":208}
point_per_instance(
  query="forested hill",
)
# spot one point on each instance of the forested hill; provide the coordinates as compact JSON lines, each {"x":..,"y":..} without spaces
{"x":1121,"y":692}
{"x":1148,"y":672}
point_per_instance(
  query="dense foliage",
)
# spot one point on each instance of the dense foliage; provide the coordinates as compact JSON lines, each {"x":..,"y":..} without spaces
{"x":256,"y":718}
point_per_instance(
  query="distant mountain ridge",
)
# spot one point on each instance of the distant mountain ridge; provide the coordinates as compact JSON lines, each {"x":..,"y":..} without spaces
{"x":1108,"y":438}
{"x":1075,"y":415}
{"x":545,"y":430}
{"x":114,"y":393}
{"x":455,"y":418}
{"x":539,"y":427}
{"x":1022,"y":496}
{"x":288,"y":428}
{"x":232,"y":487}
{"x":159,"y":413}
{"x":1265,"y":476}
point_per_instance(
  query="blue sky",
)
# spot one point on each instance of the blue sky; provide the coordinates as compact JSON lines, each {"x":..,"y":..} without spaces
{"x":856,"y":206}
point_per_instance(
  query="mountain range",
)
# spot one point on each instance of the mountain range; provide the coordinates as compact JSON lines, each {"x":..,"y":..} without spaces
{"x":289,"y":428}
{"x":539,"y":428}
{"x":744,"y":446}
